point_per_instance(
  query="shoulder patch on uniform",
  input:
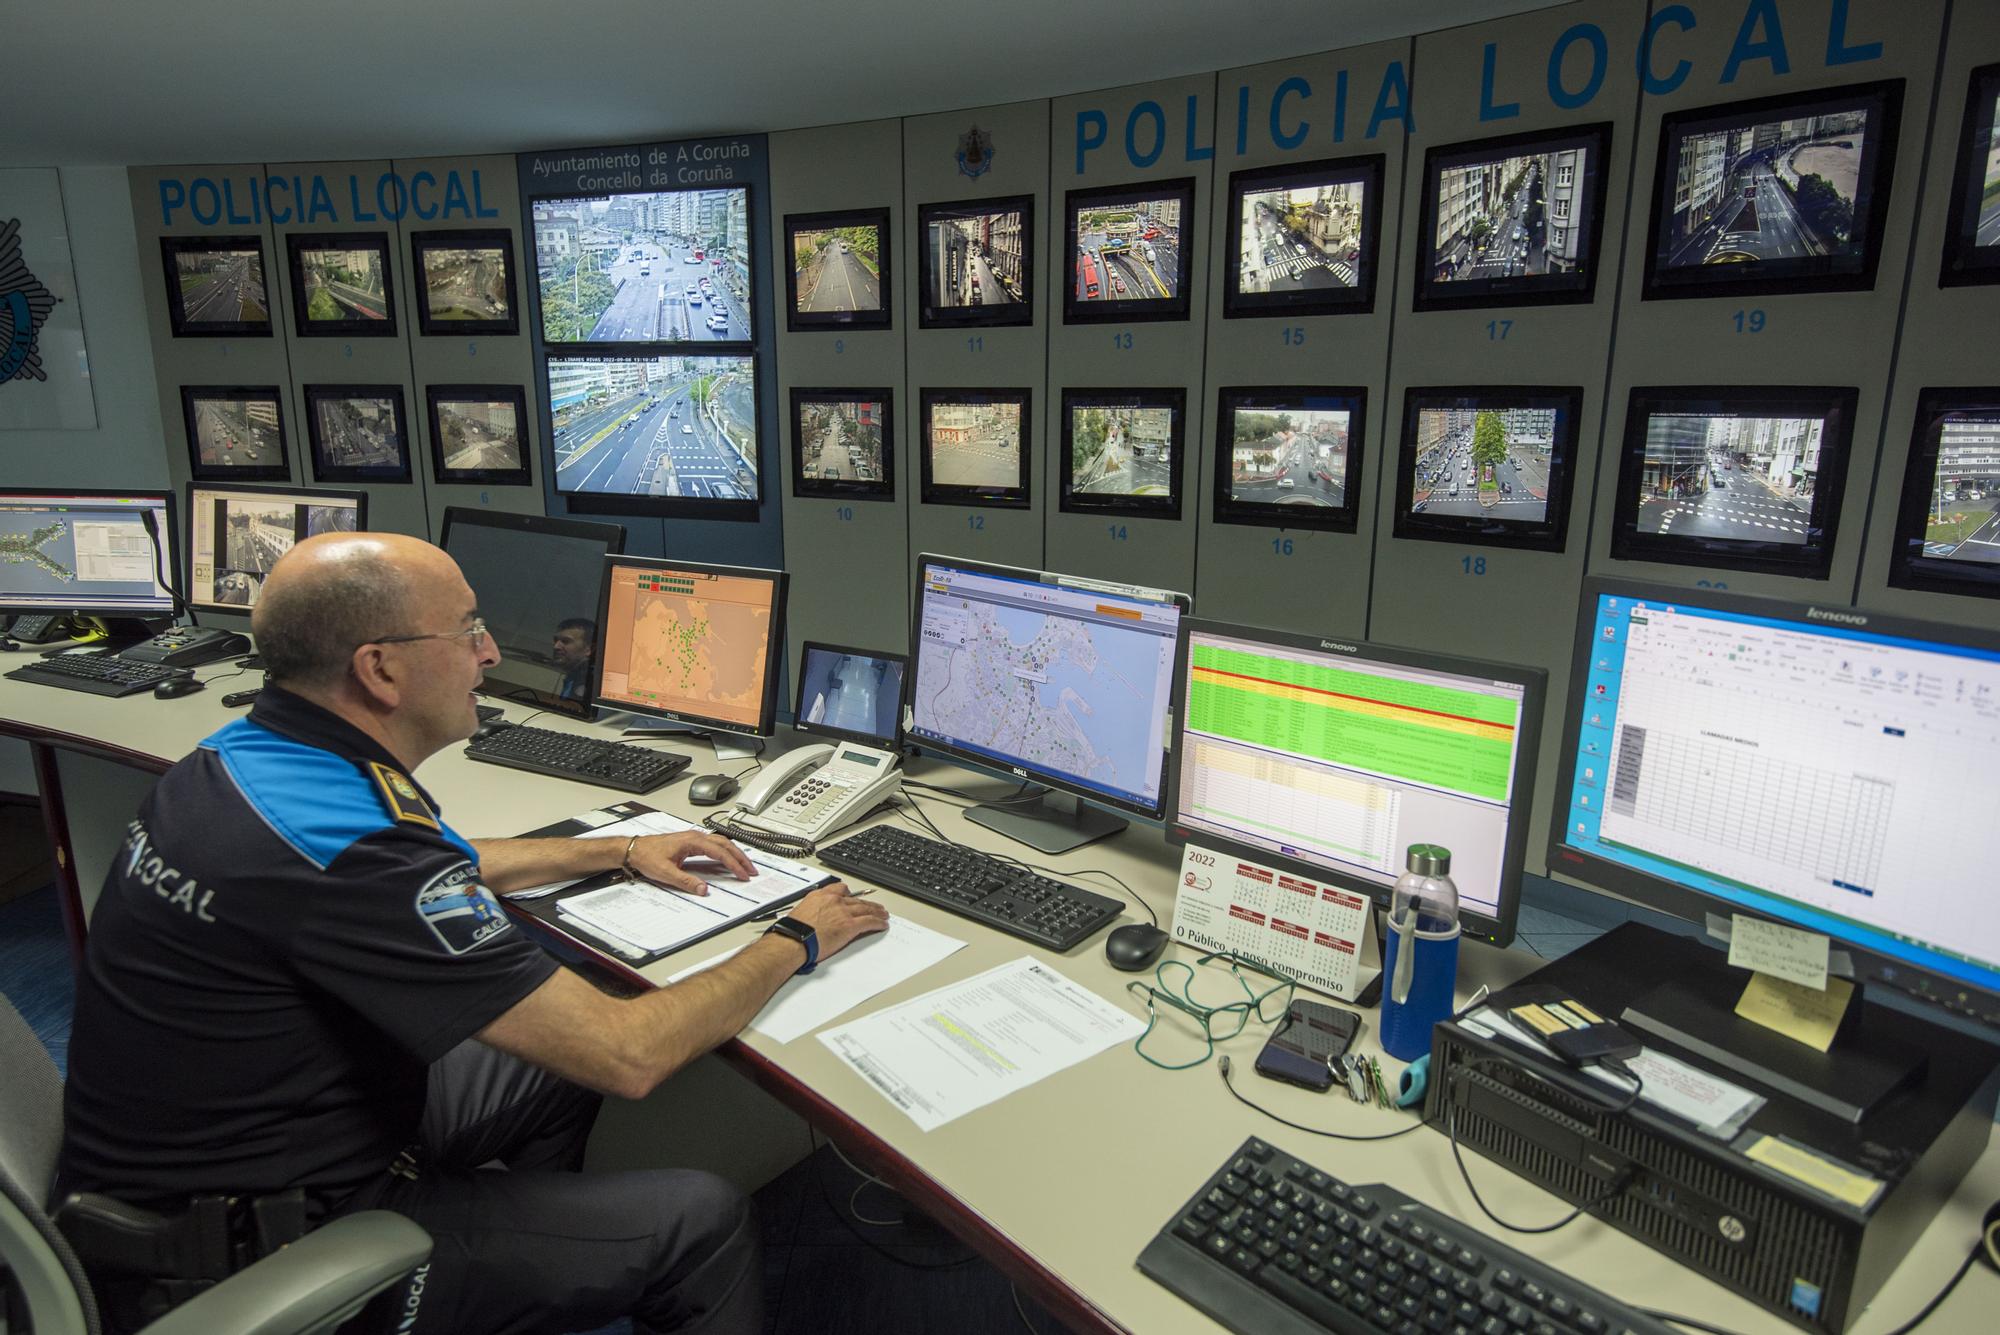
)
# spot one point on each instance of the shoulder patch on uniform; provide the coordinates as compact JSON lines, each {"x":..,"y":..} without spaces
{"x":401,"y":796}
{"x":460,"y":911}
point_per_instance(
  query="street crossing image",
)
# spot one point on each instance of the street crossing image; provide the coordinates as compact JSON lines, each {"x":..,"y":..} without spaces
{"x":1483,"y":463}
{"x":235,"y":432}
{"x":358,"y":431}
{"x":974,"y":444}
{"x":1292,"y":456}
{"x":479,"y":435}
{"x":1962,"y":523}
{"x":466,"y":284}
{"x":1735,"y":478}
{"x":655,"y":426}
{"x":1121,"y":449}
{"x":1127,"y":249}
{"x":1300,"y":237}
{"x":667,"y":267}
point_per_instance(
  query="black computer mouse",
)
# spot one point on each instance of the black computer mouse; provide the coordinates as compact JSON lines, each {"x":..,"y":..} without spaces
{"x":1134,"y":946}
{"x":709,"y":790}
{"x":491,"y":726}
{"x":174,"y":687}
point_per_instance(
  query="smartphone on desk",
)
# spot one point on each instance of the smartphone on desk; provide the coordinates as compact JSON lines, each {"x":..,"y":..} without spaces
{"x":813,"y":791}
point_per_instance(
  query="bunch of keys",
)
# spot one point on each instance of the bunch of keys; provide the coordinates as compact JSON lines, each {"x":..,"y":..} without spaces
{"x":1362,"y":1077}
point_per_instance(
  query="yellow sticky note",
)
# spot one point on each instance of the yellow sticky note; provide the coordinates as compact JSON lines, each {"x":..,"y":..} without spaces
{"x":1773,"y":948}
{"x":1815,"y":1170}
{"x":1800,"y":1013}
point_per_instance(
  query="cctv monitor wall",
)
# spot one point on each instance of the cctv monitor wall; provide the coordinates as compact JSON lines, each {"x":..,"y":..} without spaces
{"x":1289,"y":457}
{"x":671,"y":266}
{"x":1948,"y":525}
{"x":235,"y":534}
{"x":1122,"y":450}
{"x":976,"y":263}
{"x":1128,"y":248}
{"x":673,"y":434}
{"x":1487,"y":465}
{"x":1303,"y":238}
{"x":1744,"y":478}
{"x":1972,"y":244}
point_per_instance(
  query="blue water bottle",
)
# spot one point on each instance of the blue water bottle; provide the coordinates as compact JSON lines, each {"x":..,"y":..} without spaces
{"x":1422,"y":962}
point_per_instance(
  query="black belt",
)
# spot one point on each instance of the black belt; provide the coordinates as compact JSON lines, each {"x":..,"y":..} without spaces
{"x":144,"y":1263}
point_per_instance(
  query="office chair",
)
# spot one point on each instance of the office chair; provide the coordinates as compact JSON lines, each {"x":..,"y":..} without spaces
{"x":310,"y":1287}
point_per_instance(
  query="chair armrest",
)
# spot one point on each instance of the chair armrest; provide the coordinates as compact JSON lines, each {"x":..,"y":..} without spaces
{"x":316,"y":1283}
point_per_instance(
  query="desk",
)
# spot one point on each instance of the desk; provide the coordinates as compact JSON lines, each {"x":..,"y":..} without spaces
{"x":1062,"y":1184}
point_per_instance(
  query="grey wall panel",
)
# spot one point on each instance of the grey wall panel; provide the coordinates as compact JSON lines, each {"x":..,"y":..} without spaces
{"x":1135,"y":135}
{"x":849,"y":556}
{"x":1514,"y":605}
{"x":1299,"y":578}
{"x":1015,"y":357}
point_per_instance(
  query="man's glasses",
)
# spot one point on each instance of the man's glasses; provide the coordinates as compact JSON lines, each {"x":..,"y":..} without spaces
{"x":1218,"y":1024}
{"x":475,"y":634}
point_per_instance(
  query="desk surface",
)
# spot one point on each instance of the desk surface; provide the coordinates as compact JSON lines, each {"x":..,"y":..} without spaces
{"x":1065,"y":1182}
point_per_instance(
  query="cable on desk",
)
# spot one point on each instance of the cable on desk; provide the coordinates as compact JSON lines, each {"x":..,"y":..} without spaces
{"x":820,"y":1181}
{"x":1021,"y":1311}
{"x":1616,"y":1189}
{"x":1020,"y":795}
{"x":1230,"y":1085}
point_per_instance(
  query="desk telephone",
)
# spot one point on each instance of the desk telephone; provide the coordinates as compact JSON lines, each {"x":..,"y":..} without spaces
{"x":813,"y":791}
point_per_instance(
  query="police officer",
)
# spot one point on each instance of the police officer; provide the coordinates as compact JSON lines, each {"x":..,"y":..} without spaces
{"x":300,"y":988}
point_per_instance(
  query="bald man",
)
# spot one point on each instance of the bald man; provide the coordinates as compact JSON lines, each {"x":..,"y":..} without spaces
{"x":300,"y":992}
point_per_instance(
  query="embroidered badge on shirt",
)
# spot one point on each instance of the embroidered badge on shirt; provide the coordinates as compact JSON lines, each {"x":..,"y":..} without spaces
{"x":459,"y":910}
{"x":406,"y":804}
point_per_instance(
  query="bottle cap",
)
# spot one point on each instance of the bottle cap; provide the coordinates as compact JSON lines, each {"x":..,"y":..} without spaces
{"x":1429,"y":860}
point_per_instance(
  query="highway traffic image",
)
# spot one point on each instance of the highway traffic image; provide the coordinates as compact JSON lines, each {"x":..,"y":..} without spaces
{"x":840,"y":440}
{"x":1743,"y":479}
{"x":344,"y":283}
{"x":466,"y":283}
{"x":237,"y":433}
{"x":255,"y":535}
{"x":1291,"y":457}
{"x":362,"y":431}
{"x":1127,"y":250}
{"x":838,"y":270}
{"x":671,"y":267}
{"x":1121,"y":451}
{"x":1300,"y":237}
{"x":475,"y":435}
{"x":1509,"y":217}
{"x":222,"y":286}
{"x":974,"y":258}
{"x":1963,"y":524}
{"x":1483,"y":463}
{"x":976,"y":445}
{"x":1773,"y":190}
{"x":658,"y":426}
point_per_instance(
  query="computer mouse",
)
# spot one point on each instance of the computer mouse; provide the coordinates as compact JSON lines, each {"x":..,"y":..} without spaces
{"x":174,"y":687}
{"x":1134,"y":946}
{"x":709,"y":790}
{"x":491,"y":726}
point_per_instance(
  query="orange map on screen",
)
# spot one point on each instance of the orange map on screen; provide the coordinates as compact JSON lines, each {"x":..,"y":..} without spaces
{"x":706,"y":656}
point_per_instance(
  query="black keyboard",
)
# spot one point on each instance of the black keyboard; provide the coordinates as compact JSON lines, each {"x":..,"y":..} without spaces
{"x":1271,"y":1245}
{"x":629,"y":769}
{"x":988,"y":890}
{"x":99,"y":674}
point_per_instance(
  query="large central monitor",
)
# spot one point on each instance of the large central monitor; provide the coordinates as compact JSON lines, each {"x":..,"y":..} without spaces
{"x":87,"y":552}
{"x":1059,"y":681}
{"x":536,"y":580}
{"x":697,"y":644}
{"x":236,"y":534}
{"x":1329,"y":759}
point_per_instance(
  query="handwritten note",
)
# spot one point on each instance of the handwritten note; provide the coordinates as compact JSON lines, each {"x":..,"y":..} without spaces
{"x":1797,"y":1012}
{"x":1782,"y":952}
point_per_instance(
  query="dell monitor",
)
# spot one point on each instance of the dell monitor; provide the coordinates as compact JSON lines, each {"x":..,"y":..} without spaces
{"x":237,"y":533}
{"x":1056,"y":680}
{"x":1328,"y":759}
{"x":853,"y":695}
{"x":89,"y":553}
{"x":536,"y":582}
{"x":1820,"y":767}
{"x":699,"y":645}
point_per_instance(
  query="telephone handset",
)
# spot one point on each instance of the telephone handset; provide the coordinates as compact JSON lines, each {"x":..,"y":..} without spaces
{"x":813,"y":791}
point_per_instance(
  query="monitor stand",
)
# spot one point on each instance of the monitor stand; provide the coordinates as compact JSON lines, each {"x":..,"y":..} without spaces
{"x":728,"y":745}
{"x":121,"y":633}
{"x":1053,"y":822}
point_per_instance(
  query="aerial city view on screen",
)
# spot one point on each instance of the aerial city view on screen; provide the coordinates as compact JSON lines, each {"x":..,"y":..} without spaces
{"x":1512,"y":217}
{"x":841,"y":440}
{"x":976,"y":258}
{"x":477,"y":434}
{"x":237,"y":433}
{"x":839,"y":269}
{"x":1989,"y":196}
{"x":1128,"y":251}
{"x":1965,"y":492}
{"x":1292,"y":456}
{"x":661,"y":268}
{"x":1772,"y":190}
{"x":466,"y":282}
{"x":343,"y":283}
{"x":1124,"y":451}
{"x":358,"y":432}
{"x":975,"y":444}
{"x":1301,"y":237}
{"x":659,"y":426}
{"x":1745,"y":479}
{"x":1484,"y":463}
{"x":222,"y":286}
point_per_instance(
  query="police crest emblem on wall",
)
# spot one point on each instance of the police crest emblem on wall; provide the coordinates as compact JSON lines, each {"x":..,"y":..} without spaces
{"x":44,"y":370}
{"x":975,"y":152}
{"x":25,"y":305}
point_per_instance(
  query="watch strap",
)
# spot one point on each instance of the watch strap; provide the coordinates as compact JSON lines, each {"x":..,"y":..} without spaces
{"x":802,"y":933}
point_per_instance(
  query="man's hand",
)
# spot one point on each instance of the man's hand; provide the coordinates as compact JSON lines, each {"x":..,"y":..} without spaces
{"x":660,"y":858}
{"x":837,"y":917}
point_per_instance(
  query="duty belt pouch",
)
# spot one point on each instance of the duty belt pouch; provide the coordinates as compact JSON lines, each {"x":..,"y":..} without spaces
{"x":145,"y":1264}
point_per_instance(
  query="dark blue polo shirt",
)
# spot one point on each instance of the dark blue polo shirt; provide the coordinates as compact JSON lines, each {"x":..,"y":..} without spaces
{"x":288,"y":938}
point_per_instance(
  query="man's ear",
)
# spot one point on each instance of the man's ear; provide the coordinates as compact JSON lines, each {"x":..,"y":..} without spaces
{"x":375,"y":675}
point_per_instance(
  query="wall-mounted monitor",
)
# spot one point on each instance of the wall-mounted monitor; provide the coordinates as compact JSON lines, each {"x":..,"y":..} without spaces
{"x":235,"y":432}
{"x":976,"y":263}
{"x":215,"y":286}
{"x":340,"y":285}
{"x":1289,"y":456}
{"x":479,"y":433}
{"x":1948,"y":526}
{"x":1127,"y":248}
{"x":465,"y":282}
{"x":843,"y":443}
{"x":359,"y":433}
{"x":1304,"y":237}
{"x":1972,"y":241}
{"x":1122,"y":450}
{"x":1487,"y":464}
{"x":672,"y":435}
{"x":1739,"y":477}
{"x":854,"y":695}
{"x":236,"y":533}
{"x":1780,"y":195}
{"x":837,"y":273}
{"x":668,"y":267}
{"x":1514,"y":221}
{"x":975,"y":447}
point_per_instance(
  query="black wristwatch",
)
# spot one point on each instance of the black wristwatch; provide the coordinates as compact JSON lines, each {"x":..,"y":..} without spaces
{"x":802,"y":933}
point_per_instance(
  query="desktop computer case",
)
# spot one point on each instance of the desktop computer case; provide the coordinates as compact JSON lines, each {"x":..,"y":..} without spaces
{"x":1805,"y":1256}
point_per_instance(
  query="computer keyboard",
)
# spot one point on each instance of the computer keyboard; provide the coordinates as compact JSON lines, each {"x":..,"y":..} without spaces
{"x":1271,"y":1245}
{"x":99,"y":674}
{"x":1000,"y":894}
{"x":564,"y":755}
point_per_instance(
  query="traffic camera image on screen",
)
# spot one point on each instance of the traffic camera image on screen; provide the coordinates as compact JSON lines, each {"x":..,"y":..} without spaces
{"x":1729,"y":477}
{"x":670,"y":267}
{"x":1948,"y":522}
{"x":1128,"y":249}
{"x":682,"y":426}
{"x":343,"y":284}
{"x":975,"y":257}
{"x":840,"y":441}
{"x":236,"y":432}
{"x":466,"y":283}
{"x":358,"y":432}
{"x":838,"y":269}
{"x":1118,"y":450}
{"x":975,"y":444}
{"x":1302,"y":236}
{"x":234,"y":539}
{"x":1289,"y":456}
{"x":1512,"y":217}
{"x":221,"y":287}
{"x":479,"y":435}
{"x":1484,"y":463}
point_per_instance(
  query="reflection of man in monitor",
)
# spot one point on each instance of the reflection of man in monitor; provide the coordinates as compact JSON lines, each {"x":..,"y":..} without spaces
{"x":852,"y":696}
{"x":574,"y":650}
